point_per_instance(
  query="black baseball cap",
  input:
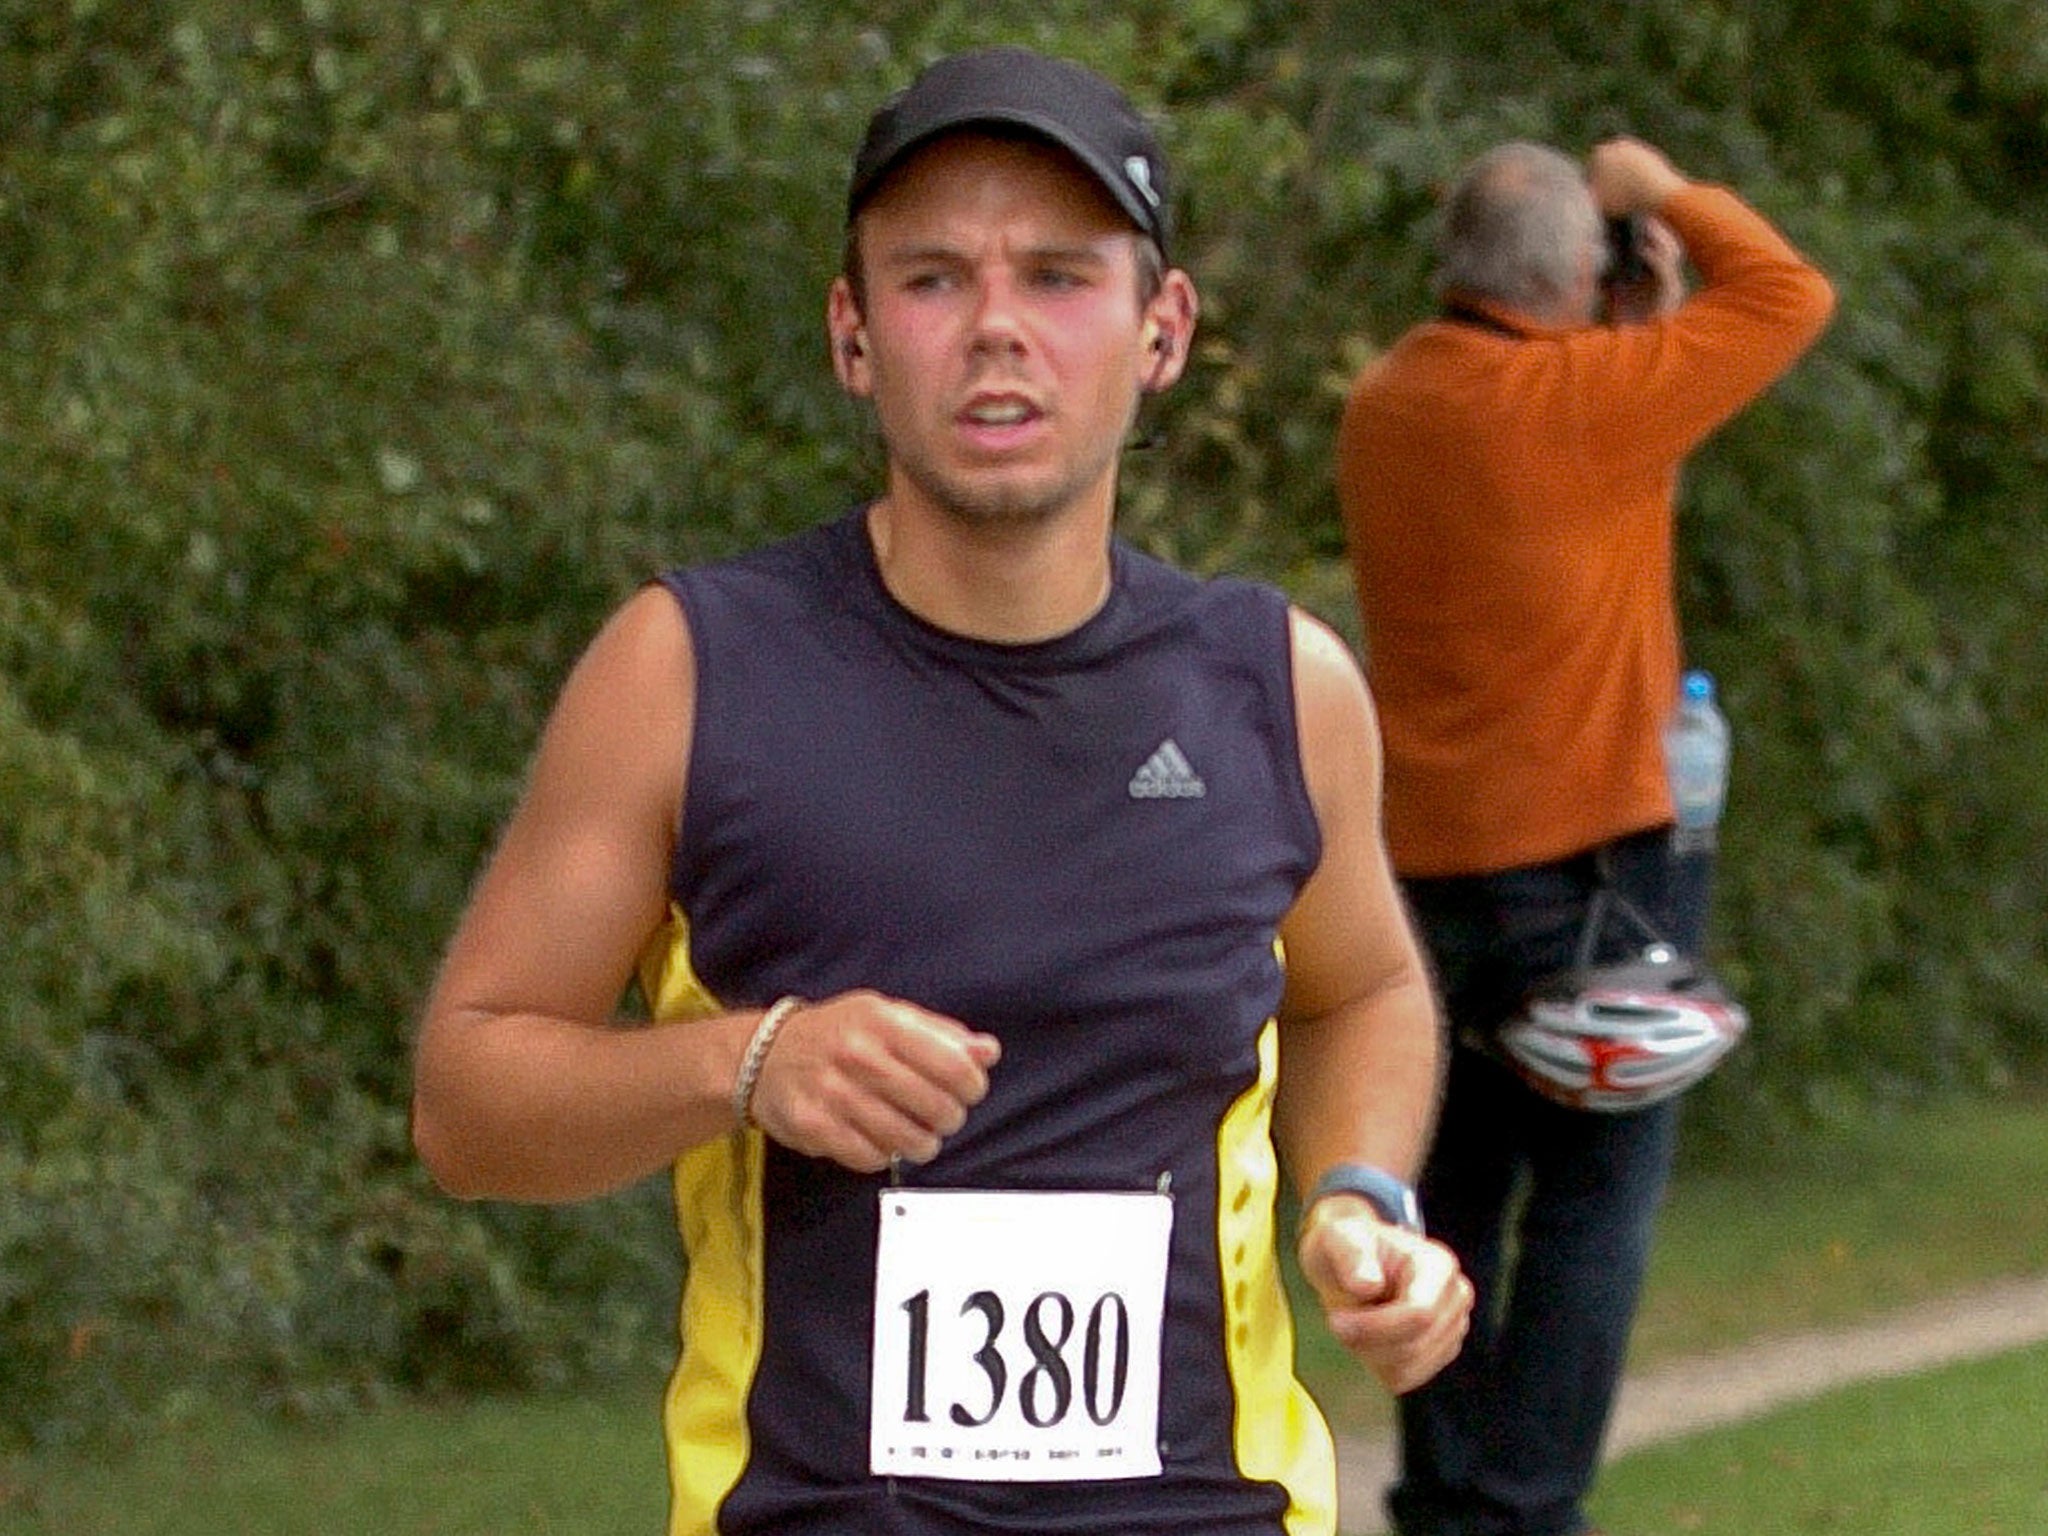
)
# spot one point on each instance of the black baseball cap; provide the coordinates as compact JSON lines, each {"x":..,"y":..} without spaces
{"x":1073,"y":107}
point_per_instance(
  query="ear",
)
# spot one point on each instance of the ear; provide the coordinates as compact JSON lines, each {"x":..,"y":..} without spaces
{"x":1169,"y":330}
{"x":849,"y":340}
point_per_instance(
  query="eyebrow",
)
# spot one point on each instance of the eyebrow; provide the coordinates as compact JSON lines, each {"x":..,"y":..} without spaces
{"x":1080,"y":252}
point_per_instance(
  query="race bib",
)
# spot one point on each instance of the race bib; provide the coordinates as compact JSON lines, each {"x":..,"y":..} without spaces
{"x":1017,"y":1335}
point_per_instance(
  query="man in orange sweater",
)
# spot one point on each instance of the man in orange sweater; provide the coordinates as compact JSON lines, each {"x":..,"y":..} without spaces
{"x":1507,"y":473}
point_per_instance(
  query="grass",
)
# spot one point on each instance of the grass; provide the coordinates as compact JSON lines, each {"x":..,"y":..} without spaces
{"x":1900,"y":1209}
{"x":1896,"y":1212}
{"x":1903,"y":1209}
{"x":1959,"y":1452}
{"x":531,"y":1467}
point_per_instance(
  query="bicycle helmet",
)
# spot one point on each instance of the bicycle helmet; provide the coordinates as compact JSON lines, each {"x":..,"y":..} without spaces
{"x":1623,"y":1036}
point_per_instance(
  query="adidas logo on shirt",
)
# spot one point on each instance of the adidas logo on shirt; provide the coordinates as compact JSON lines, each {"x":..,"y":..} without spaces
{"x":1167,"y":775}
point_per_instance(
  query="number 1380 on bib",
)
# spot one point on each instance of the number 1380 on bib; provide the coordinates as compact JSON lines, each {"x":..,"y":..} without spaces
{"x":1017,"y":1335}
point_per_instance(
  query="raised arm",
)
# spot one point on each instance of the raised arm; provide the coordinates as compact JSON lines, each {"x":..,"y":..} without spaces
{"x":1759,"y":306}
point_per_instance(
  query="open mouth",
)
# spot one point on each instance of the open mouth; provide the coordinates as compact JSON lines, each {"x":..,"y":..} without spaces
{"x":1008,"y":412}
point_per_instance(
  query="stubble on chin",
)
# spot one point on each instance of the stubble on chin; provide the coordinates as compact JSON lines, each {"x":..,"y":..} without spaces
{"x":1000,"y":503}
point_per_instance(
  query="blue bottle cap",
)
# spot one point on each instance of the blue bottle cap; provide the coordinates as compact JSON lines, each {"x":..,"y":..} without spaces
{"x":1699,"y":685}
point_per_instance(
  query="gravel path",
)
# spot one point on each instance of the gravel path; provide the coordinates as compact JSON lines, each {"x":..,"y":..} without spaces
{"x":1685,"y":1396}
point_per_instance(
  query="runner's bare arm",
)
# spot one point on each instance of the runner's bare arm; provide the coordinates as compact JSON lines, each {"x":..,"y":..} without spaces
{"x":1359,"y":1062}
{"x":525,"y":1088}
{"x":1360,"y":1044}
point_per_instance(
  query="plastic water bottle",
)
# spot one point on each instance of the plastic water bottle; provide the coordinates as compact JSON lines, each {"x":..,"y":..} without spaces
{"x":1696,"y":756}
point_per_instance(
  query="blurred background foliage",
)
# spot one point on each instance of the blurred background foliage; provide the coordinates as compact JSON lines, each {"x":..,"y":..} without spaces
{"x":359,"y":356}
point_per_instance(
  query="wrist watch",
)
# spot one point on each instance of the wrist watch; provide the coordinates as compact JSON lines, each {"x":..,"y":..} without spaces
{"x":1391,"y":1197}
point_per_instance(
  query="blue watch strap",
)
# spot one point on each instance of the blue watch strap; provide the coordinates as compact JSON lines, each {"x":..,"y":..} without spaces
{"x":1392,"y":1197}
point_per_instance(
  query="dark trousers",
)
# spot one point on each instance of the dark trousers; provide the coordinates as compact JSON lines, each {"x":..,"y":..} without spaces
{"x":1549,"y":1209}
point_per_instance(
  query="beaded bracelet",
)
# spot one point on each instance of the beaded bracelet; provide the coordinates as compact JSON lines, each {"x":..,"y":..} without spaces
{"x":757,"y":1052}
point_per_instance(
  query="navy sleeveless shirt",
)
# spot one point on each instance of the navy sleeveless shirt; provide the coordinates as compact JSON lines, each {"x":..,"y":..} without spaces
{"x":1082,"y":846}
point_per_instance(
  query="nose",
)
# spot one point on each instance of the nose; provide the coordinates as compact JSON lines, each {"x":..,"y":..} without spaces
{"x":998,"y":322}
